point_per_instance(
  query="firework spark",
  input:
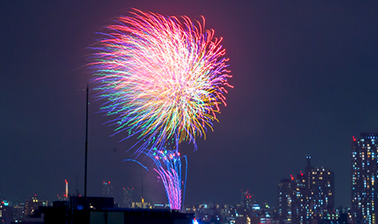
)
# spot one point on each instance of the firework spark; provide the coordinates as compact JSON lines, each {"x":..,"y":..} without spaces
{"x":161,"y":77}
{"x":168,"y":166}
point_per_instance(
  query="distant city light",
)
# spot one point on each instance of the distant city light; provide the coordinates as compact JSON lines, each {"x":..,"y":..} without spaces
{"x":256,"y":207}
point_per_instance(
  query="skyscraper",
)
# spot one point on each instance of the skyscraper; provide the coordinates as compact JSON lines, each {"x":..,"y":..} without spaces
{"x":321,"y":200}
{"x":246,"y":200}
{"x":107,"y":189}
{"x":364,"y":172}
{"x":127,"y":197}
{"x":307,"y":197}
{"x":6,"y":214}
{"x":32,"y":205}
{"x":285,"y":201}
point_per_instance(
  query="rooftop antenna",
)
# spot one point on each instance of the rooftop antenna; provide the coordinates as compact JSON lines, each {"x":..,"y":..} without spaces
{"x":86,"y":153}
{"x":142,"y":194}
{"x":77,"y":188}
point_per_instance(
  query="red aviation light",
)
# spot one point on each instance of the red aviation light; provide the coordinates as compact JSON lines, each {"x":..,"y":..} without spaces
{"x":354,"y":139}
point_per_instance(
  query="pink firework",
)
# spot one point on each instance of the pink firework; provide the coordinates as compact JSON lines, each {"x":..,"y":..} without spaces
{"x":162,"y":77}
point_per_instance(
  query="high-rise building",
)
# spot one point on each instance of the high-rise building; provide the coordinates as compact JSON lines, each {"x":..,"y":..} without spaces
{"x":107,"y":189}
{"x":128,"y":197}
{"x":18,"y":212}
{"x":364,"y":173}
{"x":321,"y":200}
{"x":285,"y":200}
{"x":291,"y":204}
{"x":32,"y":205}
{"x":308,"y":197}
{"x":6,"y":215}
{"x":246,"y":200}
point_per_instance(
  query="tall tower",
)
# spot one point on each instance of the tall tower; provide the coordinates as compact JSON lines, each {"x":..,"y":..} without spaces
{"x":364,"y":172}
{"x":127,"y":197}
{"x":308,"y":170}
{"x":321,"y":199}
{"x":291,"y":204}
{"x":285,"y":200}
{"x":246,"y":199}
{"x":32,"y":205}
{"x":107,"y":189}
{"x":66,"y":195}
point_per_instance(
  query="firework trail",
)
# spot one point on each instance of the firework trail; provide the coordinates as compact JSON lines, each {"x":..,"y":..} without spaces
{"x":168,"y":163}
{"x":168,"y":167}
{"x":163,"y":79}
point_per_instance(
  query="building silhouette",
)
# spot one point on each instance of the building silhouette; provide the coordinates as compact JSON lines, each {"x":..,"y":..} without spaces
{"x":285,"y":200}
{"x":246,"y":200}
{"x":364,"y":173}
{"x":31,"y":205}
{"x":18,"y":212}
{"x":308,"y":197}
{"x":107,"y":189}
{"x":321,"y":198}
{"x":6,"y":213}
{"x":127,"y":197}
{"x":100,"y":210}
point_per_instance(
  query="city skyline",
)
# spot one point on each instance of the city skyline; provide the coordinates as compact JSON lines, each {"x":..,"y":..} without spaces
{"x":304,"y":198}
{"x":107,"y":189}
{"x":304,"y":76}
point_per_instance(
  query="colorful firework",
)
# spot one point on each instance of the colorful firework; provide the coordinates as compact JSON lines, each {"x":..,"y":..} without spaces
{"x":168,"y":167}
{"x":168,"y":163}
{"x":161,"y":77}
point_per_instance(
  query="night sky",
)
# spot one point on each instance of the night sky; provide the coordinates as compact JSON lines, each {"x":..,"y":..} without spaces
{"x":305,"y":77}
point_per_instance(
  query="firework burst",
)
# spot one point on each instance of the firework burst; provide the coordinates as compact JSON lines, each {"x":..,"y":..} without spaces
{"x":162,"y":77}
